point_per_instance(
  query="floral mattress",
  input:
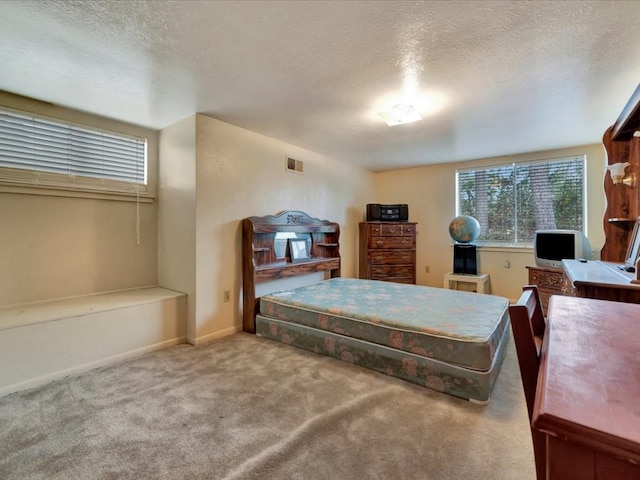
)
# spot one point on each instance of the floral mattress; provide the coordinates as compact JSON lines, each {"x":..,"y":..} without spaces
{"x":448,"y":340}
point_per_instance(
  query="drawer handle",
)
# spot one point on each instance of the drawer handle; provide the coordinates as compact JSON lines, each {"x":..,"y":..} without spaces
{"x":380,"y":242}
{"x":406,"y":257}
{"x":380,"y":258}
{"x":379,"y":270}
{"x":405,"y":241}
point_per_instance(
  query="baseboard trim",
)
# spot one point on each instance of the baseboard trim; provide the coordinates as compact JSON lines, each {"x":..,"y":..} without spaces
{"x":77,"y":369}
{"x":213,"y":336}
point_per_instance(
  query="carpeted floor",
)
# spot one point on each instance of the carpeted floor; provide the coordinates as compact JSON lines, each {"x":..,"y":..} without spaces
{"x":247,"y":408}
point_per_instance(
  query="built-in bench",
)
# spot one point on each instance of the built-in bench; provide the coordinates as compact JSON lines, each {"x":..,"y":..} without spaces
{"x":43,"y":341}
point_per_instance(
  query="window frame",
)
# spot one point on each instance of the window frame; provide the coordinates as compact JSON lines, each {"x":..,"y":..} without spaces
{"x":17,"y":180}
{"x":495,"y":244}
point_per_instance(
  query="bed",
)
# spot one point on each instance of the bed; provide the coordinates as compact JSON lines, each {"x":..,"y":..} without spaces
{"x":447,"y":340}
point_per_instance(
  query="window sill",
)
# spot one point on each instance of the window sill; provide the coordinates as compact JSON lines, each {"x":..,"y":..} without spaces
{"x":78,"y":193}
{"x":504,"y":248}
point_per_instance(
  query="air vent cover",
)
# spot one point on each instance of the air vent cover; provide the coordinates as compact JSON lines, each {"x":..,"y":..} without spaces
{"x":293,"y":165}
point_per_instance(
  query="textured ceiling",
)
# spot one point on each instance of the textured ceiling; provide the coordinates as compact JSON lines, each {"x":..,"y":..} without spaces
{"x":490,"y":78}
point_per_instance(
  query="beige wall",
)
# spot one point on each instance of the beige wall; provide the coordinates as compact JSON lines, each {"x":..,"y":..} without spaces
{"x":430,"y":193}
{"x":238,"y":174}
{"x":177,"y":213}
{"x":212,"y":175}
{"x":54,"y":246}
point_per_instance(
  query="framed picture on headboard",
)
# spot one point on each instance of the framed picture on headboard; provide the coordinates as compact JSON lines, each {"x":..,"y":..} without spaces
{"x":298,"y":248}
{"x":633,"y":250}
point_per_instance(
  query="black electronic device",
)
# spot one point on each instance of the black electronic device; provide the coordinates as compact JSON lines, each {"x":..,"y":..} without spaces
{"x":377,"y":212}
{"x":465,"y":259}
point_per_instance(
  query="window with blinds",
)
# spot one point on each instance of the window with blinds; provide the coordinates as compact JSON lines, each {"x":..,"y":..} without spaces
{"x":50,"y":153}
{"x":512,"y":201}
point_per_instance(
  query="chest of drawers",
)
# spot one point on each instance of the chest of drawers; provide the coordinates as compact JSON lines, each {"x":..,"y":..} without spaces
{"x":388,"y":251}
{"x":550,"y":281}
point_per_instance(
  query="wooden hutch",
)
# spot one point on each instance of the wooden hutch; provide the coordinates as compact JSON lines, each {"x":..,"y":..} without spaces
{"x":623,"y":207}
{"x":622,"y":201}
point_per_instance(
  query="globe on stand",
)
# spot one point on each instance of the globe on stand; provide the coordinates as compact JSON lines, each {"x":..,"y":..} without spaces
{"x":464,"y":229}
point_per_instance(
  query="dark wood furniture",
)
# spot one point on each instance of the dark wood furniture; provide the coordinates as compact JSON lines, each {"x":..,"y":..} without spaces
{"x":528,"y":327}
{"x":550,"y":281}
{"x":623,"y":203}
{"x":388,"y":251}
{"x":588,"y":389}
{"x":602,"y":280}
{"x":266,"y":255}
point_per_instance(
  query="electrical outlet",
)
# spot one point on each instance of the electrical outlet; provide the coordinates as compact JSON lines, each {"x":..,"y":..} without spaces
{"x":427,"y":269}
{"x":506,"y":264}
{"x":226,"y":295}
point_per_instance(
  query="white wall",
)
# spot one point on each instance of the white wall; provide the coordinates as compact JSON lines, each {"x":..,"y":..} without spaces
{"x":177,"y":213}
{"x":430,"y":193}
{"x":57,"y":246}
{"x":239,"y":174}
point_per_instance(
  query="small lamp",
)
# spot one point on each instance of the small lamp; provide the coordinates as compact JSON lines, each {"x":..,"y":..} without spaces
{"x":617,"y":174}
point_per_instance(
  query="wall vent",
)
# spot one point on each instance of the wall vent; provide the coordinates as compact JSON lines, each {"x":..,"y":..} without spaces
{"x":293,"y":165}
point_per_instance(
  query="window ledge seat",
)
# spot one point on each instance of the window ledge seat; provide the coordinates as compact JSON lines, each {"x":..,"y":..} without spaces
{"x":47,"y":340}
{"x":58,"y":309}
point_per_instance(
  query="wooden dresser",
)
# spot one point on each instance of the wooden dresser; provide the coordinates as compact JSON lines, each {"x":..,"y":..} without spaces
{"x":388,"y":251}
{"x":550,"y":281}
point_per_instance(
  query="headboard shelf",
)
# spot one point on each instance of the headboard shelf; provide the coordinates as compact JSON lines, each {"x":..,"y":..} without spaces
{"x":274,"y":271}
{"x":266,"y":255}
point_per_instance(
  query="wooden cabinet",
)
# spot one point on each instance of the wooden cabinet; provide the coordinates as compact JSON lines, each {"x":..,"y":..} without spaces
{"x":388,"y":251}
{"x":623,"y":202}
{"x":550,"y":281}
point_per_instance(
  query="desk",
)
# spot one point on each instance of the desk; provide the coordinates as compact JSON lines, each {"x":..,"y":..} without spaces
{"x":601,"y":280}
{"x":588,"y":390}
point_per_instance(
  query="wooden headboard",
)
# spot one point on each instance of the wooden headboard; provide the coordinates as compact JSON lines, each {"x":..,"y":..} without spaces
{"x":267,"y":256}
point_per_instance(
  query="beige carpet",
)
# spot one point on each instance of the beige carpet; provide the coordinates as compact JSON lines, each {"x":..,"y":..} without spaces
{"x":248,"y":408}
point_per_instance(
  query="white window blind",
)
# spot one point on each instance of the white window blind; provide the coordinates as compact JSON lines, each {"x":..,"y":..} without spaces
{"x":512,"y":201}
{"x":46,"y":152}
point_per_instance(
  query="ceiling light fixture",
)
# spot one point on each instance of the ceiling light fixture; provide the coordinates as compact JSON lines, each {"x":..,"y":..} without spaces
{"x":400,"y":114}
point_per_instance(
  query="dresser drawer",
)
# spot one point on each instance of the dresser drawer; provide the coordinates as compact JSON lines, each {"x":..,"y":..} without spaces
{"x":392,"y":230}
{"x":547,"y":279}
{"x":392,"y":242}
{"x":407,"y":280}
{"x":550,"y":281}
{"x":384,"y":272}
{"x":392,"y":257}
